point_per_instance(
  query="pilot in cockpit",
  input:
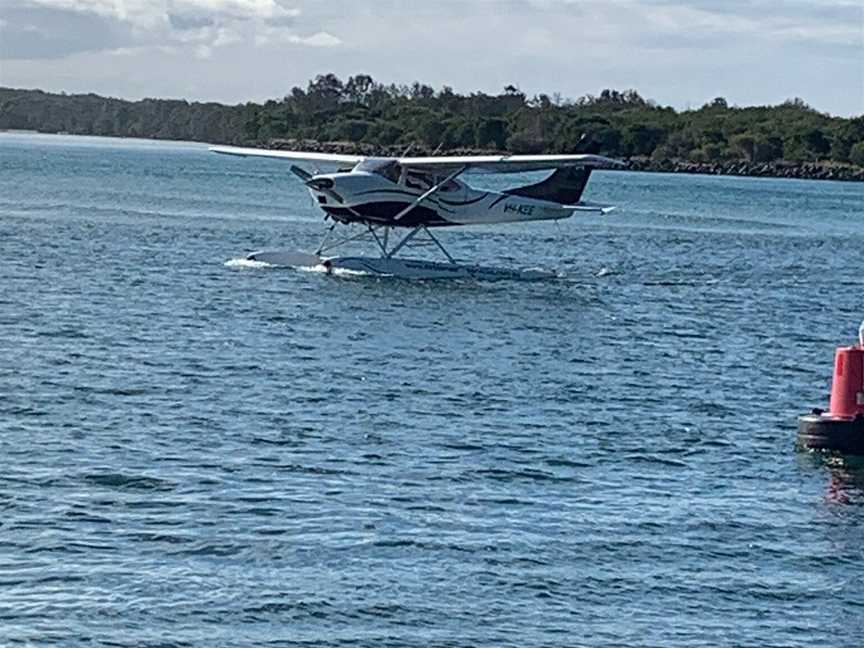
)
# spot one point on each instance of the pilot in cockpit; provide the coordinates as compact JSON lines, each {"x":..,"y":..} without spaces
{"x":417,"y":181}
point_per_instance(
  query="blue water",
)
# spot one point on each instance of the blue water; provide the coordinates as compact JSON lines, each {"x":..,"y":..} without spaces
{"x":199,"y":454}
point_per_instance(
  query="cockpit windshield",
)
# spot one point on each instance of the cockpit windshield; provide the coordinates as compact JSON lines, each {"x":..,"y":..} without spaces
{"x":390,"y":169}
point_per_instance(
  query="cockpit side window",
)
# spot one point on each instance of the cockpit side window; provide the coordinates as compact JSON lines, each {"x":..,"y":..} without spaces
{"x":425,"y":181}
{"x":392,"y":171}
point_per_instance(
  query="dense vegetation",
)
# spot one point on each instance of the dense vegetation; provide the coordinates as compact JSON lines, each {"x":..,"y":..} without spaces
{"x":360,"y":110}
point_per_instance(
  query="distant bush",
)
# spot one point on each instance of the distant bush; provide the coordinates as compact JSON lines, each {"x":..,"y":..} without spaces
{"x":615,"y":123}
{"x":856,"y":154}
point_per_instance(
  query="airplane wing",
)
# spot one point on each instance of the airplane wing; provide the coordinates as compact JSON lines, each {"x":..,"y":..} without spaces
{"x":439,"y":165}
{"x":318,"y":159}
{"x":505,"y":163}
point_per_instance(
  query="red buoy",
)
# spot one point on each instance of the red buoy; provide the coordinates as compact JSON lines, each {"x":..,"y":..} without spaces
{"x":841,"y":428}
{"x":847,"y":390}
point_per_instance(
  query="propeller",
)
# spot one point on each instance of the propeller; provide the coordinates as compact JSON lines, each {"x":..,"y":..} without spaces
{"x":300,"y":172}
{"x":304,"y":175}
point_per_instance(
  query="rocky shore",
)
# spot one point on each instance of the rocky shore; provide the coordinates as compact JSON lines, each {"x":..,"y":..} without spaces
{"x":806,"y":171}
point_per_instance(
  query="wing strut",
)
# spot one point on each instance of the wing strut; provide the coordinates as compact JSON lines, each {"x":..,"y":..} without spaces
{"x":440,"y":247}
{"x":348,"y":239}
{"x":429,"y":192}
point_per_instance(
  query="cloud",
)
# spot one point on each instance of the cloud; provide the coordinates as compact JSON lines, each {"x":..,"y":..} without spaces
{"x":50,"y":29}
{"x":181,"y":22}
{"x":150,"y":12}
{"x":721,"y":24}
{"x":680,"y":52}
{"x":38,"y":32}
{"x":320,"y":39}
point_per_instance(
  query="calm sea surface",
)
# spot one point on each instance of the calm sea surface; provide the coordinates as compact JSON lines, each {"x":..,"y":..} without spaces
{"x":199,"y":454}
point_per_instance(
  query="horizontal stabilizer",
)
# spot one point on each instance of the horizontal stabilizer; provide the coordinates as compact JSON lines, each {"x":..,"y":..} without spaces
{"x":596,"y":208}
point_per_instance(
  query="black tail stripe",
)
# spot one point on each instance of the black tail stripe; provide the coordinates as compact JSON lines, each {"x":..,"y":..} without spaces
{"x":498,"y":199}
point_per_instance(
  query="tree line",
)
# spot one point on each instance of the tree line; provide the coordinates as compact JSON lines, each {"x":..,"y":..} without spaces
{"x":362,"y":111}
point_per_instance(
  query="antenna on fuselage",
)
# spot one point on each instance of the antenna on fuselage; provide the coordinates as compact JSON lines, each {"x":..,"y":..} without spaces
{"x":407,"y":149}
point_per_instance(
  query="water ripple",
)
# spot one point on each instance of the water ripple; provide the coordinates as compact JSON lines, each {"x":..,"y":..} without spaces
{"x":202,"y":455}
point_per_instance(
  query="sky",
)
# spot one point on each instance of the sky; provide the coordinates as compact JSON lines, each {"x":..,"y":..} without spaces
{"x":681,"y":53}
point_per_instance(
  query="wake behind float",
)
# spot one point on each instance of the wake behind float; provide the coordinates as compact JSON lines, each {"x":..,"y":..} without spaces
{"x":841,"y":428}
{"x":397,"y":267}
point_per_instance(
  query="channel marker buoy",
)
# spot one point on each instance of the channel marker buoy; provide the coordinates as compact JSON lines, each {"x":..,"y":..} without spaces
{"x":841,"y":428}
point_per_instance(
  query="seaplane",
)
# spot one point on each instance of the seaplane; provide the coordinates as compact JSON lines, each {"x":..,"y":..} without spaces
{"x":398,"y":201}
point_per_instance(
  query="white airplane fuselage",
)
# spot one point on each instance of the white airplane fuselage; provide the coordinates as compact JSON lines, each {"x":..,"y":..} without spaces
{"x":362,"y":196}
{"x":419,"y":193}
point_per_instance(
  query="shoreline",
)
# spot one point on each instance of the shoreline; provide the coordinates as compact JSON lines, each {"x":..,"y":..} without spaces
{"x":740,"y":168}
{"x":736,"y":168}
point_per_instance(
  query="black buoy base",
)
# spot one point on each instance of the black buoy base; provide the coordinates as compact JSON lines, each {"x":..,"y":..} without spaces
{"x":825,"y":432}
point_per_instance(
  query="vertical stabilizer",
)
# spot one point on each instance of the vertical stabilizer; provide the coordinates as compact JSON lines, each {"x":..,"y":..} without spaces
{"x":564,"y":186}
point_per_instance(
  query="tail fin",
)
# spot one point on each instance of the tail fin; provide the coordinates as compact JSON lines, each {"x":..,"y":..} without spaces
{"x":564,"y":186}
